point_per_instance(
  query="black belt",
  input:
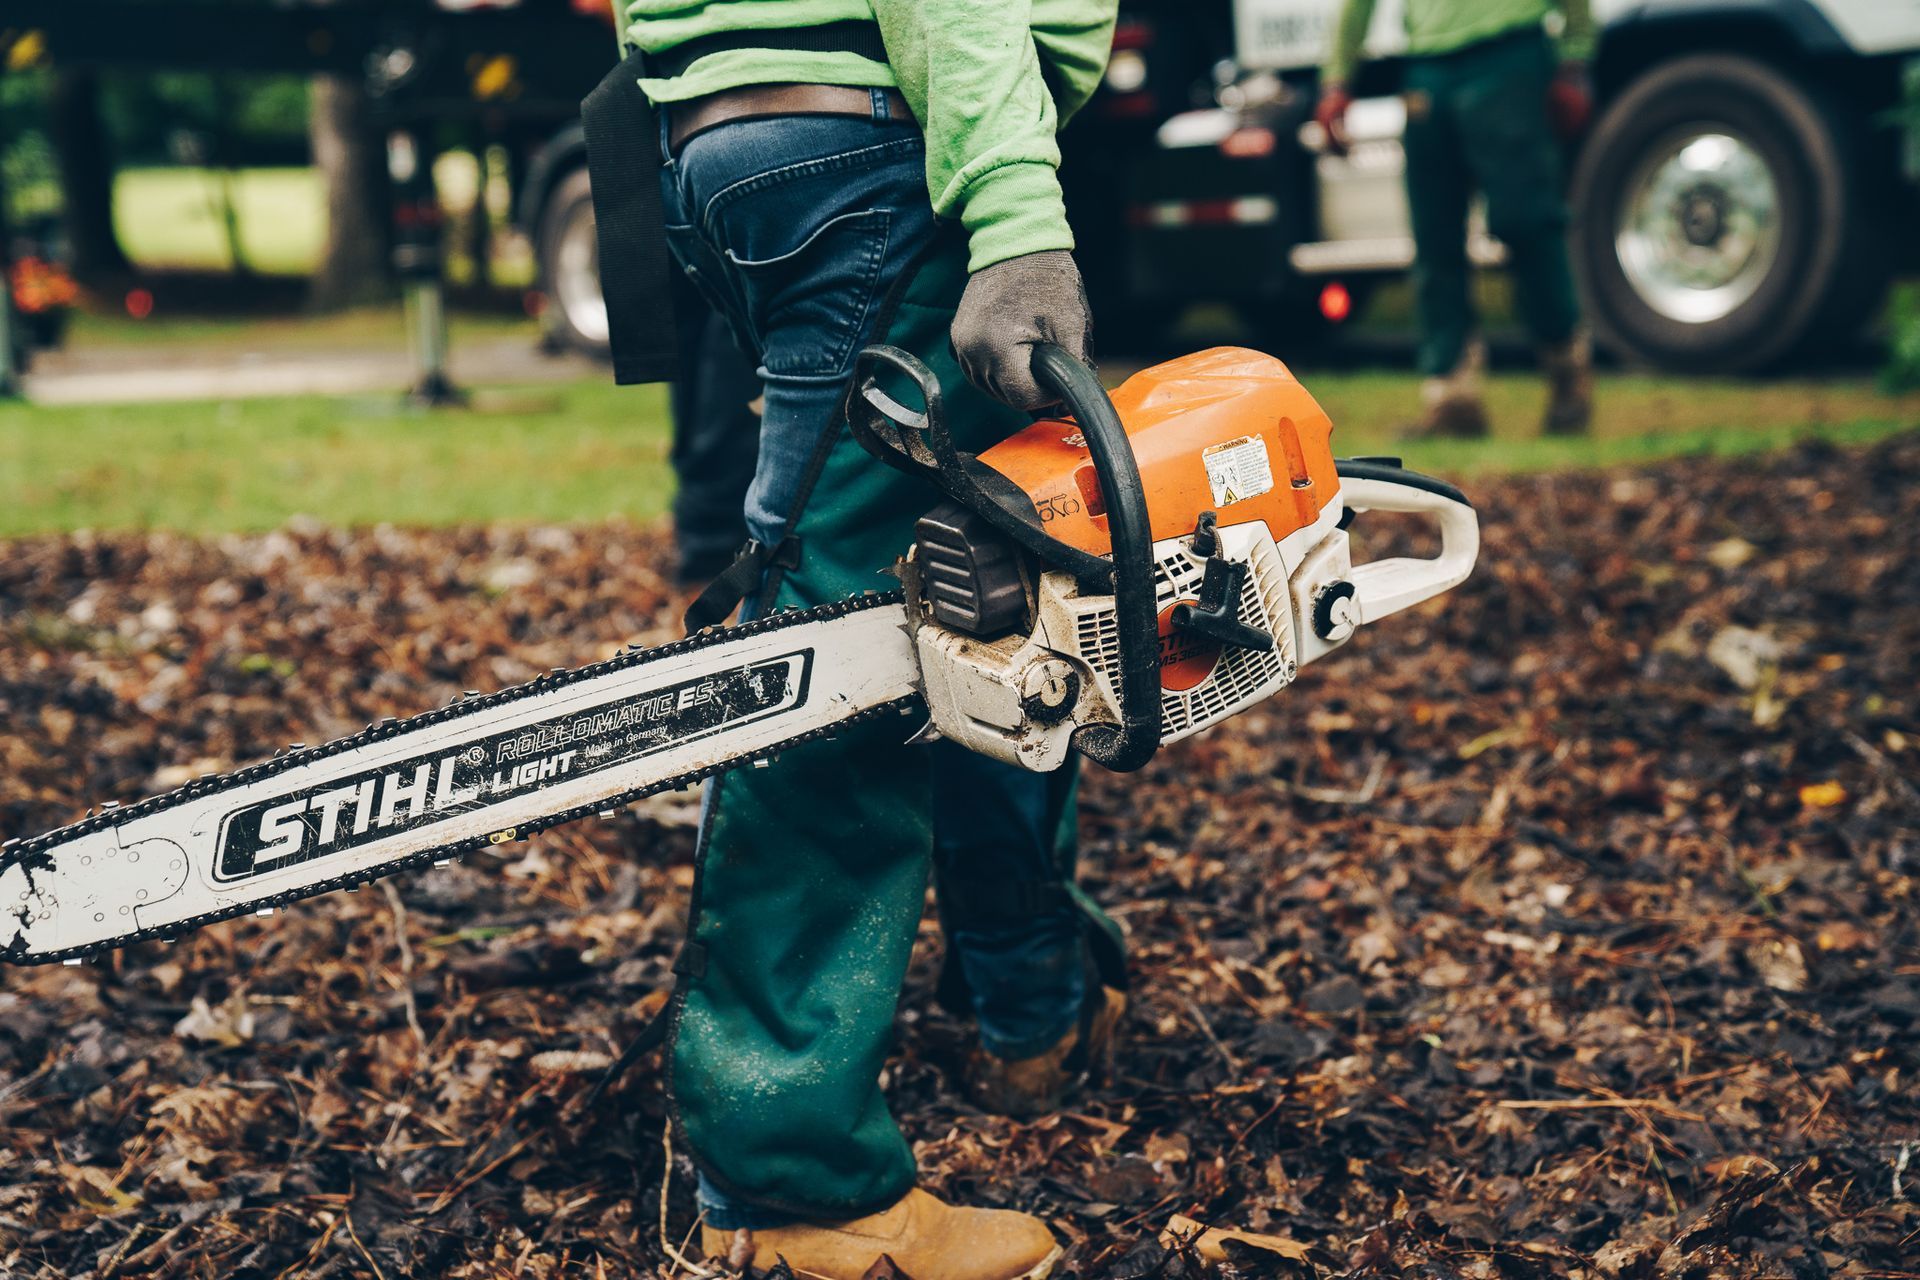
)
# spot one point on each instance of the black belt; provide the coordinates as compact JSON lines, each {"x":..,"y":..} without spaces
{"x":758,"y":101}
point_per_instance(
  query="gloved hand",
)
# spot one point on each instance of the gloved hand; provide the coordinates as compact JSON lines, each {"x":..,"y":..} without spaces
{"x":1570,"y":101}
{"x":1331,"y":116}
{"x":1006,"y":309}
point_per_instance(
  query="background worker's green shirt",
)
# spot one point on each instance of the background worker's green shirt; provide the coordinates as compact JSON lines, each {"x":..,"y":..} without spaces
{"x":1441,"y":26}
{"x":969,"y":69}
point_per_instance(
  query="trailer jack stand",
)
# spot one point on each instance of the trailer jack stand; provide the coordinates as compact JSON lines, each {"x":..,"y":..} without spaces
{"x":427,"y":337}
{"x":418,"y":259}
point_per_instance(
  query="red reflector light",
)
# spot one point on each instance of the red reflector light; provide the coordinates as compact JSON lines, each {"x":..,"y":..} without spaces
{"x":1336,"y":304}
{"x":1248,"y":144}
{"x":139,"y":303}
{"x":1128,"y":106}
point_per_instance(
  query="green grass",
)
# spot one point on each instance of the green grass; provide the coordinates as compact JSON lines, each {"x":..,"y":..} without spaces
{"x":563,"y":454}
{"x":1639,"y":418}
{"x":589,"y":451}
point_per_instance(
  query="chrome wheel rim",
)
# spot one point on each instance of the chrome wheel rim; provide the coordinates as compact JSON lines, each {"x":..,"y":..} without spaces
{"x":576,"y":276}
{"x":1699,"y":224}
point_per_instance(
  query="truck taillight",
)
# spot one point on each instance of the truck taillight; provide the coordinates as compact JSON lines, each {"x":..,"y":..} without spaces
{"x":1250,"y":143}
{"x":1336,"y":303}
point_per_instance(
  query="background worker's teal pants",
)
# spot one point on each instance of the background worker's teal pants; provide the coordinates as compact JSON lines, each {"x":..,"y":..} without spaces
{"x":1476,"y":118}
{"x":816,"y":237}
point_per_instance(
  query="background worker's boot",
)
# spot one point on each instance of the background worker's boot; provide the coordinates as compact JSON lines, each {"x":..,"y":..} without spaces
{"x":1035,"y":1086}
{"x":1453,"y":405}
{"x":1569,"y":370}
{"x":927,"y":1238}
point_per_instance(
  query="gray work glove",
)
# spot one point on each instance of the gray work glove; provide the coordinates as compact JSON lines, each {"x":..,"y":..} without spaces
{"x":1006,"y":309}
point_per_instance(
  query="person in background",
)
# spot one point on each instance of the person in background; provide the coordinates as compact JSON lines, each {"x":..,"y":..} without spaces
{"x":1490,"y":99}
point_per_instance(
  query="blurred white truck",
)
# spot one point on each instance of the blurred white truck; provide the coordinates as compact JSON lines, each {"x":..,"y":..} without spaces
{"x":1748,"y":189}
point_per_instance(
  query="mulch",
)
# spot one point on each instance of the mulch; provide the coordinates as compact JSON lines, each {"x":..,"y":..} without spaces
{"x":1566,"y":929}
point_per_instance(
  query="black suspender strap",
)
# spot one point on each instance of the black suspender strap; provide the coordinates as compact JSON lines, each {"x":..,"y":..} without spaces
{"x":739,"y":580}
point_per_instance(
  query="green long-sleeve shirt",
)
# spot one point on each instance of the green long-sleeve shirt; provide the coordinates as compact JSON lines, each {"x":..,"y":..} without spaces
{"x":1441,"y":26}
{"x":969,"y":69}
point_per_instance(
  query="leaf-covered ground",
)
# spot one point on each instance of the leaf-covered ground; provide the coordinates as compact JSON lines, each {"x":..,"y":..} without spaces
{"x":1566,"y":930}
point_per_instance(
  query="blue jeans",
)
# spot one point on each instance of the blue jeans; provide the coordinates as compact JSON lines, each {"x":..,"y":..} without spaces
{"x":797,"y":229}
{"x":739,"y":204}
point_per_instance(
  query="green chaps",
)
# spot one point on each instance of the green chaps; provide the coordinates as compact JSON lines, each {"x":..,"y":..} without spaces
{"x":813,"y":870}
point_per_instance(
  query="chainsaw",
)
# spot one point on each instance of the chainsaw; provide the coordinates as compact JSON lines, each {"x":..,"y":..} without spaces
{"x":1108,"y":580}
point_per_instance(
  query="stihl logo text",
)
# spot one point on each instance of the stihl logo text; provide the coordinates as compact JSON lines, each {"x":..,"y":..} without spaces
{"x":478,"y":772}
{"x":382,"y":803}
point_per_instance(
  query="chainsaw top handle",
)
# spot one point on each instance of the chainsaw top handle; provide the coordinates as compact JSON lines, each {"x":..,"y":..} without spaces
{"x":1132,"y":743}
{"x":919,"y":443}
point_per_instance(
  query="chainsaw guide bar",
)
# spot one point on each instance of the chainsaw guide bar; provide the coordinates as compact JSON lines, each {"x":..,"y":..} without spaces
{"x":404,"y":794}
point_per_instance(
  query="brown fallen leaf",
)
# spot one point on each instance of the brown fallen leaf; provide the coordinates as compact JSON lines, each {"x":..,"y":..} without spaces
{"x":1779,"y":963}
{"x":1567,"y":992}
{"x":227,"y":1025}
{"x":568,"y":1062}
{"x":1210,"y":1243}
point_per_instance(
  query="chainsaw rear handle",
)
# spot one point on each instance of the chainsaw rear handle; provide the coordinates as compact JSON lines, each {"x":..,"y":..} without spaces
{"x":1384,"y":587}
{"x":919,"y":443}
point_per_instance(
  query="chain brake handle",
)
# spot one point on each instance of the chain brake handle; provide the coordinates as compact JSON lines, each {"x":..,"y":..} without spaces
{"x":919,"y":443}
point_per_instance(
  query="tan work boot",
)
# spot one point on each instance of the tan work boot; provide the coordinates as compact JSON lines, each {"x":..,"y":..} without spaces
{"x":1453,"y":405}
{"x":1569,"y":370}
{"x":927,"y":1238}
{"x":1033,"y":1086}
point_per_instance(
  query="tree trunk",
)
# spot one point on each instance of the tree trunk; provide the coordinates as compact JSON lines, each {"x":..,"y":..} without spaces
{"x":79,"y":140}
{"x":354,"y":262}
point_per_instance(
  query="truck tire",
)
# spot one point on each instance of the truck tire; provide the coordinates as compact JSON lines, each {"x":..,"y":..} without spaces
{"x":568,"y":256}
{"x":1718,"y":219}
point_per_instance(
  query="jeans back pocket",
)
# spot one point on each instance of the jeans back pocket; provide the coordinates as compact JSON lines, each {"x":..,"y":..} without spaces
{"x":809,"y":304}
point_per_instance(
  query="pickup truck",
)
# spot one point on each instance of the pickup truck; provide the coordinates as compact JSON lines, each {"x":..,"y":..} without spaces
{"x":1747,"y":191}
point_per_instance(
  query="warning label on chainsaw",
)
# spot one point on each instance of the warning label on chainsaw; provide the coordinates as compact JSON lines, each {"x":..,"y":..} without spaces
{"x":1238,"y":470}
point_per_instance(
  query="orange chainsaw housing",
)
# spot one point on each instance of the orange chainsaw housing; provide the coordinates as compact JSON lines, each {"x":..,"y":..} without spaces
{"x":1187,"y":420}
